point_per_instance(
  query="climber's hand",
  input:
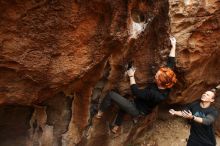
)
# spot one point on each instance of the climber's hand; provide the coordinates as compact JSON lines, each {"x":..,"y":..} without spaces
{"x":131,"y":71}
{"x":173,"y":41}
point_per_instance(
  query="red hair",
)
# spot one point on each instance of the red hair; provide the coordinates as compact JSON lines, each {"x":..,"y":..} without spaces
{"x":166,"y":78}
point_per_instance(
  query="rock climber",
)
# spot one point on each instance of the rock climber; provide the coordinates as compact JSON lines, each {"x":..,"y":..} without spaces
{"x":202,"y":115}
{"x":145,"y":99}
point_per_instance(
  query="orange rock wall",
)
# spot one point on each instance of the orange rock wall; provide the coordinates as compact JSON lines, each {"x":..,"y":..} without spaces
{"x":74,"y":51}
{"x":195,"y":24}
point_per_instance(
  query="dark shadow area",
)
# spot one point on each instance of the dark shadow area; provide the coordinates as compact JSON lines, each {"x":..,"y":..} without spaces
{"x":14,"y":125}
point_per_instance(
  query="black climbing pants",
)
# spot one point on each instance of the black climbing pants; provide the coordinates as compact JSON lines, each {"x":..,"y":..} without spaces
{"x":124,"y":104}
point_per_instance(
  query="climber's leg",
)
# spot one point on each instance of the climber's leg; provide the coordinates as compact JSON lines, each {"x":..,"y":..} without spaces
{"x":122,"y":102}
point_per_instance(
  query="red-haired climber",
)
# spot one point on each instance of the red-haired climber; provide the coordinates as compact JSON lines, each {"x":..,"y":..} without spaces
{"x":146,"y":99}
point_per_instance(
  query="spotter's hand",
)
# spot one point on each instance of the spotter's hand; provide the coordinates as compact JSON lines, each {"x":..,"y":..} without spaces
{"x":218,"y":87}
{"x":172,"y":112}
{"x":187,"y":114}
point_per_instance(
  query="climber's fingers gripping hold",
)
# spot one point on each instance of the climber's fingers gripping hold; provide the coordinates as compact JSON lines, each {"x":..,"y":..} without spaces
{"x":131,"y":71}
{"x":173,"y":41}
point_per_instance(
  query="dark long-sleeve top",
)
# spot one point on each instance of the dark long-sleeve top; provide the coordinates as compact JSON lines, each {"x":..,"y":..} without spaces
{"x":146,"y":99}
{"x":204,"y":133}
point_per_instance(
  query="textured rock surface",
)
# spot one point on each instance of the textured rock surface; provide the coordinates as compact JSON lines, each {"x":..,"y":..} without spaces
{"x":196,"y":26}
{"x":59,"y":58}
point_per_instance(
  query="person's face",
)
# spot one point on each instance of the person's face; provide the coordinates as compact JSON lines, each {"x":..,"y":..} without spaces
{"x":208,"y":96}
